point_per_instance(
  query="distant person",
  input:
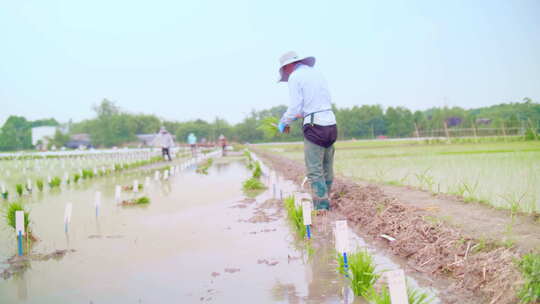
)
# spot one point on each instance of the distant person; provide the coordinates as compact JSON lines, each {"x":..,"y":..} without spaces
{"x":164,"y":140}
{"x":223,"y":143}
{"x":192,"y":141}
{"x":310,"y":100}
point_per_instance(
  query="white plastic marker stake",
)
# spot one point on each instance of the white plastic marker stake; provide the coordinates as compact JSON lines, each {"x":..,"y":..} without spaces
{"x":19,"y":229}
{"x":117,"y":193}
{"x":97,"y":202}
{"x":342,"y":242}
{"x":147,"y":182}
{"x":156,"y":176}
{"x":67,"y":216}
{"x":166,"y":174}
{"x":135,"y":186}
{"x":29,"y":185}
{"x":306,"y":212}
{"x":397,"y":286}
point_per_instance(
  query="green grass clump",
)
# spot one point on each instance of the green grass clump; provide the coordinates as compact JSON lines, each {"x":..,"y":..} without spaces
{"x":204,"y":166}
{"x":529,"y":265}
{"x":417,"y":297}
{"x":55,"y":182}
{"x":142,"y":200}
{"x":269,"y":127}
{"x":253,"y":184}
{"x":87,"y":174}
{"x":10,"y":215}
{"x":19,"y":189}
{"x":361,"y":272}
{"x":375,"y":297}
{"x":39,"y":184}
{"x":295,"y":215}
{"x":257,"y":172}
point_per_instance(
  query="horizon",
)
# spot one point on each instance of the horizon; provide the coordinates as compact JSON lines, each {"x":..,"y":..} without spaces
{"x":66,"y":57}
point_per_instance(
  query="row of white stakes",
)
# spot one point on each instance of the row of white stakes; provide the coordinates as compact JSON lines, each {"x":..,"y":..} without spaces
{"x":396,"y":278}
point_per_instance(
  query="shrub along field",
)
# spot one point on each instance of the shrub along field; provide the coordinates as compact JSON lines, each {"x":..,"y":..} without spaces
{"x":498,"y":173}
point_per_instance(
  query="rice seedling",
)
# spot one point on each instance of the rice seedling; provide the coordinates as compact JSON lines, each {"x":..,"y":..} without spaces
{"x":257,"y":172}
{"x":87,"y":174}
{"x":295,"y":216}
{"x":253,"y":184}
{"x":361,"y":272}
{"x":375,"y":297}
{"x":39,"y":184}
{"x":76,"y":177}
{"x":5,"y":194}
{"x":204,"y":166}
{"x":416,"y":296}
{"x":130,"y":187}
{"x":19,"y":189}
{"x":143,"y":200}
{"x":55,"y":182}
{"x":11,"y":210}
{"x":269,"y":127}
{"x":529,"y":265}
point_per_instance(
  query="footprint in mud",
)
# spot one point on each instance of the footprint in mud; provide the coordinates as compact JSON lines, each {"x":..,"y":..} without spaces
{"x":232,"y":270}
{"x":265,"y":261}
{"x":215,"y":274}
{"x":19,"y":264}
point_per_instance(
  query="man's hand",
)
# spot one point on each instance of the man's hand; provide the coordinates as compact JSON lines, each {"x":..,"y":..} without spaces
{"x":283,"y":128}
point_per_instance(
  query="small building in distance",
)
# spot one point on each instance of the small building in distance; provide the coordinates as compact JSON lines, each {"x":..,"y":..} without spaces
{"x":79,"y":141}
{"x":41,"y":136}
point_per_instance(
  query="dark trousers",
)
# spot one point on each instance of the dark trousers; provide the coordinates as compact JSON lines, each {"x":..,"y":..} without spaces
{"x":165,"y":151}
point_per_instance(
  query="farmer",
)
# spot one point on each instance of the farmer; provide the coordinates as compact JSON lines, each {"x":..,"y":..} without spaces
{"x":223,"y":143}
{"x":310,"y":100}
{"x":164,"y":140}
{"x":192,"y":141}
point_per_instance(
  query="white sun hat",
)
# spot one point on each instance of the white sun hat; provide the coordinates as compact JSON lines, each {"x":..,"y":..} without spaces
{"x":291,"y":57}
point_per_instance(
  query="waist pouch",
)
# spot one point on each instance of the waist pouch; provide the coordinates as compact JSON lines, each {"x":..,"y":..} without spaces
{"x":323,"y":136}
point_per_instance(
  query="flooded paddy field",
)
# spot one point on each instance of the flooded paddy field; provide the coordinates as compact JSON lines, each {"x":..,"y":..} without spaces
{"x":199,"y":240}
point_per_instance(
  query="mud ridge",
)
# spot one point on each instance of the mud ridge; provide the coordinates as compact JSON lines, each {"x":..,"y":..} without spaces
{"x":475,"y":271}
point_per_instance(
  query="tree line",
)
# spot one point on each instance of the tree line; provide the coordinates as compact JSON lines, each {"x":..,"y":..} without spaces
{"x":112,"y":126}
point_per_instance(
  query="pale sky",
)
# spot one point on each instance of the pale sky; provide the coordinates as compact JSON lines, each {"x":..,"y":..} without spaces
{"x":186,"y":59}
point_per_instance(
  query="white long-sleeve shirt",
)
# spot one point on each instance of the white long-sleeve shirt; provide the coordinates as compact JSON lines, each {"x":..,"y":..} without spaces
{"x":309,"y":94}
{"x":163,"y":140}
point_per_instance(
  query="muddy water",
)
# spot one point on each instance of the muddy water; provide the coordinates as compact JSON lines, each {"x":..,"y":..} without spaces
{"x":199,"y":240}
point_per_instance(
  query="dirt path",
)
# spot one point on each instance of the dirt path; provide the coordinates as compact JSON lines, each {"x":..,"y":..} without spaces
{"x":465,"y":244}
{"x":476,"y":220}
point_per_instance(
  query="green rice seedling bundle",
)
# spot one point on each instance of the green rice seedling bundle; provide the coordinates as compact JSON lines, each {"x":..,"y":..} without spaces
{"x":417,"y":297}
{"x":375,"y":297}
{"x":117,"y":167}
{"x":39,"y":184}
{"x":529,"y":265}
{"x":19,"y":189}
{"x":204,"y":166}
{"x":257,"y":172}
{"x":295,"y":216}
{"x":269,"y":127}
{"x":11,"y":219}
{"x":55,"y":182}
{"x":76,"y":177}
{"x":362,"y":274}
{"x":253,"y":184}
{"x":87,"y":174}
{"x":144,"y":200}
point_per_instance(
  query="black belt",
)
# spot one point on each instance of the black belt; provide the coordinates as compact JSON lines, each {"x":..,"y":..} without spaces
{"x":312,"y":115}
